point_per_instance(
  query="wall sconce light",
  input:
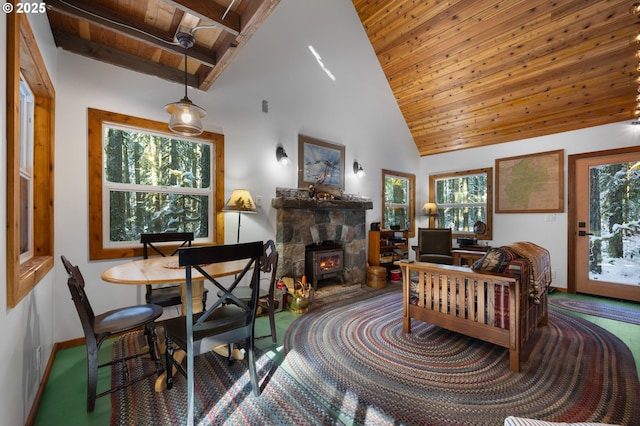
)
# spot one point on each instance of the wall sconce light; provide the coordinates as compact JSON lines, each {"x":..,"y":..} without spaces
{"x":282,"y":156}
{"x":358,"y":170}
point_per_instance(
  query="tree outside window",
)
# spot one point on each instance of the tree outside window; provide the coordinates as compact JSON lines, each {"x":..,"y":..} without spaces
{"x":151,"y":182}
{"x":398,"y":204}
{"x":156,"y":184}
{"x":463,"y":199}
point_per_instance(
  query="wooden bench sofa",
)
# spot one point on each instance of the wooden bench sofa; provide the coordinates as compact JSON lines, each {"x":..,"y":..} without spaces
{"x":501,"y":300}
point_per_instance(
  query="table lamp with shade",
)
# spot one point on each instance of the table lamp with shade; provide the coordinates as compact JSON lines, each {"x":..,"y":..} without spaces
{"x":240,"y":201}
{"x":430,"y":210}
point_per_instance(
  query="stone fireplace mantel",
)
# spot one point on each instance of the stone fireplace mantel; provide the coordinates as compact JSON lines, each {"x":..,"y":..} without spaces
{"x":313,"y":204}
{"x":303,"y":221}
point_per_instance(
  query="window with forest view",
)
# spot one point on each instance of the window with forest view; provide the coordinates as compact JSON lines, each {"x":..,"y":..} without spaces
{"x":398,"y":202}
{"x":155,"y":183}
{"x":151,"y":181}
{"x":463,"y":199}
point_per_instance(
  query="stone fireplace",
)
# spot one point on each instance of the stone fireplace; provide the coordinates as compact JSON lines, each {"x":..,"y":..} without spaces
{"x":303,"y":221}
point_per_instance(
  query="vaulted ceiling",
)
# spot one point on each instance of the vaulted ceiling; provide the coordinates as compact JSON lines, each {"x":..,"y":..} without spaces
{"x":464,"y":73}
{"x":473,"y":73}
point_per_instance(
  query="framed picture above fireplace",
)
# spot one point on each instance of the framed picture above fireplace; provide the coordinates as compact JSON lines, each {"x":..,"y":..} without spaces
{"x":320,"y":164}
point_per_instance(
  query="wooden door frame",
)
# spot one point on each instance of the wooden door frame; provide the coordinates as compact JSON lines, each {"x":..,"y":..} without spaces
{"x":572,"y":218}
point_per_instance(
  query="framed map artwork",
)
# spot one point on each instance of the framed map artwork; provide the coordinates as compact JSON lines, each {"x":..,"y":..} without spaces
{"x":531,"y":183}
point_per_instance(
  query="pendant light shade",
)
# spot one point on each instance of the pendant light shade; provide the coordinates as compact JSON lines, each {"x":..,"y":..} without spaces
{"x":186,"y":117}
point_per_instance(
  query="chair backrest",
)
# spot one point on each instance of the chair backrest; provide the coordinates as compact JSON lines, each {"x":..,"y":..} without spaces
{"x":75,"y":282}
{"x":198,"y":257}
{"x":435,"y":241}
{"x":149,"y":240}
{"x":269,"y":264}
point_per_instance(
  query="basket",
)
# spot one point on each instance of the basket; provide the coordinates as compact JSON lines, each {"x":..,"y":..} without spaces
{"x":377,"y":277}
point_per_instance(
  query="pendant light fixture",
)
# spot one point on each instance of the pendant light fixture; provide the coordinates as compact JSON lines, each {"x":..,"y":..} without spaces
{"x":185,"y":115}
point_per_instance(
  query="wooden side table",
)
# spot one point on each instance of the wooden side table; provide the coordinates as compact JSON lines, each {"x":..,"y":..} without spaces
{"x":466,"y":257}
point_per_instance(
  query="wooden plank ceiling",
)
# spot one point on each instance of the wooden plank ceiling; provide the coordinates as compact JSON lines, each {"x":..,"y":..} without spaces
{"x":474,"y":73}
{"x":140,"y":34}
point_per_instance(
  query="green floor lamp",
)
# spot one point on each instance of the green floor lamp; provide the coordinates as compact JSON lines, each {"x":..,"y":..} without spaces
{"x":240,"y":201}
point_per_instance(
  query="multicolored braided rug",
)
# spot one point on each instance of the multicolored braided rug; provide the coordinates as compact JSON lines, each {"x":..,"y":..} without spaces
{"x":225,"y":391}
{"x":618,"y":313}
{"x":356,"y":359}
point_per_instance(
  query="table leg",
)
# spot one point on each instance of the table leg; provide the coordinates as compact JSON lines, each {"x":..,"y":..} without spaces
{"x":197,"y":290}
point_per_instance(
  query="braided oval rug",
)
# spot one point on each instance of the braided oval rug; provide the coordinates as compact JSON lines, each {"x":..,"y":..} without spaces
{"x":356,"y":359}
{"x":618,"y":313}
{"x":223,"y":394}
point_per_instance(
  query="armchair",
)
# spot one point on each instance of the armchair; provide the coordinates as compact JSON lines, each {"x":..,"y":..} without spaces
{"x":434,"y":246}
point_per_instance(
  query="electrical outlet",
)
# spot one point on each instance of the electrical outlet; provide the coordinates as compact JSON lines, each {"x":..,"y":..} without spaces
{"x":259,"y":200}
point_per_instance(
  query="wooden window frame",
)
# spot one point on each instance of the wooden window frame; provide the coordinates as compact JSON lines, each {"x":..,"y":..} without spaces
{"x":412,"y":197}
{"x":96,"y":118}
{"x":24,"y":56}
{"x":488,"y":235}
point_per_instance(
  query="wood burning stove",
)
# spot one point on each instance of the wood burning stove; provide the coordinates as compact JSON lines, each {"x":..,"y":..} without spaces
{"x":324,"y":260}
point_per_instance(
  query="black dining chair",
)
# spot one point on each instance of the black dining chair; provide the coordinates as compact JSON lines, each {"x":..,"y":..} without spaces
{"x":268,"y":266}
{"x":99,"y":327}
{"x":152,"y":243}
{"x":224,"y":323}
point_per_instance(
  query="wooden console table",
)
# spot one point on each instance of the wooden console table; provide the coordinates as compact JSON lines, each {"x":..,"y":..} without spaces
{"x":466,"y":256}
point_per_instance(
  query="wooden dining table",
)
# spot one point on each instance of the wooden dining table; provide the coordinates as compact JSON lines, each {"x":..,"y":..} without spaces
{"x":165,"y":270}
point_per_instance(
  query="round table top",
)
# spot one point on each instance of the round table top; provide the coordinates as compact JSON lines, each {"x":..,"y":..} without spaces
{"x":164,"y":270}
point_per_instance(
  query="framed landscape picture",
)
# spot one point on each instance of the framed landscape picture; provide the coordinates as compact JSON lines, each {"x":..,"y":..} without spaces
{"x":320,"y":164}
{"x":532,"y":183}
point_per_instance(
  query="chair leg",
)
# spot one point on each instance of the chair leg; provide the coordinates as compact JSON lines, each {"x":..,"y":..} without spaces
{"x":168,"y":361}
{"x":230,"y":356}
{"x":92,"y":375}
{"x":255,"y":386}
{"x":272,"y":322}
{"x":152,"y":341}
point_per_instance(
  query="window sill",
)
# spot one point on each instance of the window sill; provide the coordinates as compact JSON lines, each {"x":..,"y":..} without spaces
{"x":34,"y":269}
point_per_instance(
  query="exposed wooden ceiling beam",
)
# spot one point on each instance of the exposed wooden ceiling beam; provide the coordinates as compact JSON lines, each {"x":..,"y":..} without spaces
{"x":211,"y":11}
{"x":134,"y":29}
{"x":103,"y":53}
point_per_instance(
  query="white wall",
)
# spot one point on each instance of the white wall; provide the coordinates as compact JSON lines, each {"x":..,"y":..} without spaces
{"x":29,"y":325}
{"x":534,"y":227}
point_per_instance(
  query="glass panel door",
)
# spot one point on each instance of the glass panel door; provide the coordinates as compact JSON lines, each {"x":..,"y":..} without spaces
{"x":608,"y":237}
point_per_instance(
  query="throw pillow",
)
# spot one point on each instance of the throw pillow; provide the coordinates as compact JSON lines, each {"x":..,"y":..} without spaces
{"x":495,"y":260}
